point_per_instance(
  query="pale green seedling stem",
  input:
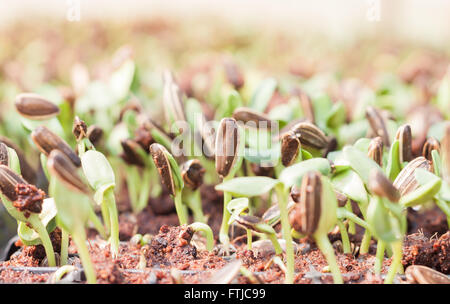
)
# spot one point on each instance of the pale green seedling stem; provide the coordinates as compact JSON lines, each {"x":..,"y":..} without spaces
{"x":181,"y":210}
{"x":396,"y":262}
{"x":80,"y":241}
{"x":223,"y":235}
{"x":98,"y":224}
{"x":64,"y":246}
{"x":286,"y":230}
{"x":381,"y":246}
{"x":327,"y":249}
{"x":208,"y":233}
{"x":351,"y":225}
{"x":35,"y":221}
{"x":344,"y":235}
{"x":110,"y":202}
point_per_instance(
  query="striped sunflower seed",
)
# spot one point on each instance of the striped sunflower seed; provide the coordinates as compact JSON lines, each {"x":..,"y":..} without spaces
{"x":227,"y":142}
{"x":310,"y":135}
{"x":4,"y":155}
{"x":425,"y":275}
{"x":377,"y":124}
{"x":63,"y":168}
{"x":305,"y":216}
{"x":159,"y":156}
{"x":404,"y":137}
{"x":46,"y":141}
{"x":375,"y":151}
{"x":430,"y":145}
{"x":8,"y":182}
{"x":290,"y":147}
{"x":35,"y":107}
{"x":246,"y":115}
{"x":445,"y":152}
{"x":130,"y":152}
{"x":380,"y":185}
{"x":406,"y":181}
{"x":192,"y":173}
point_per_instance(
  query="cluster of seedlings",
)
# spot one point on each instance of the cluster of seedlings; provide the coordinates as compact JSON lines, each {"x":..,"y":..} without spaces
{"x":289,"y":170}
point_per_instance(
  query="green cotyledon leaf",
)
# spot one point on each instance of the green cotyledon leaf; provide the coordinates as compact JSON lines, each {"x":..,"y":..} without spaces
{"x":248,"y":186}
{"x":349,"y":183}
{"x":293,"y":175}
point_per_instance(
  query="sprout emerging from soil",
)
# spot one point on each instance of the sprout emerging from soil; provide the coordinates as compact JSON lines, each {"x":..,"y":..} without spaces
{"x":171,"y":178}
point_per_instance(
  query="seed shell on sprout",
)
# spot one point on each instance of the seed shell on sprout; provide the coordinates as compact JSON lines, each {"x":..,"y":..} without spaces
{"x":8,"y":182}
{"x":305,"y":216}
{"x":375,"y":150}
{"x":4,"y":155}
{"x":430,"y":145}
{"x":290,"y":148}
{"x":380,"y":185}
{"x":227,"y":141}
{"x":158,"y":153}
{"x":130,"y":154}
{"x":246,"y":115}
{"x":79,"y":128}
{"x":33,"y":106}
{"x":94,"y":134}
{"x":46,"y":141}
{"x":306,"y":104}
{"x":63,"y":168}
{"x":404,"y":137}
{"x":310,"y":135}
{"x":406,"y":181}
{"x":377,"y":124}
{"x":192,"y":173}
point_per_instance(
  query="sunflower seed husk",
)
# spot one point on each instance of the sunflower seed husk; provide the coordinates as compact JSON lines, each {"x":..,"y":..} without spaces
{"x":248,"y":221}
{"x":227,"y":142}
{"x":173,"y":105}
{"x":130,"y":154}
{"x":377,"y":124}
{"x":4,"y":155}
{"x":27,"y":171}
{"x":406,"y":181}
{"x":246,"y":115}
{"x":341,"y":198}
{"x":425,"y":275}
{"x":94,"y":134}
{"x":404,"y":137}
{"x":272,"y":215}
{"x":8,"y":182}
{"x":445,"y":152}
{"x":380,"y":185}
{"x":375,"y":151}
{"x":225,"y":275}
{"x":290,"y":147}
{"x":79,"y":128}
{"x":234,"y":75}
{"x":62,"y":167}
{"x":159,"y":156}
{"x":305,"y":216}
{"x":310,"y":135}
{"x":47,"y":141}
{"x":33,"y":106}
{"x":306,"y":105}
{"x":259,"y":170}
{"x":192,"y":173}
{"x":430,"y":145}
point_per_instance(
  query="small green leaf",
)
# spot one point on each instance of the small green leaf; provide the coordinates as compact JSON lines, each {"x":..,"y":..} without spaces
{"x":360,"y":162}
{"x":236,"y":207}
{"x":248,"y":186}
{"x":121,"y":80}
{"x":97,"y":169}
{"x":394,"y":167}
{"x":336,"y":117}
{"x":176,"y":173}
{"x":384,"y":226}
{"x":263,"y":94}
{"x":431,"y":185}
{"x":349,"y":183}
{"x":293,"y":175}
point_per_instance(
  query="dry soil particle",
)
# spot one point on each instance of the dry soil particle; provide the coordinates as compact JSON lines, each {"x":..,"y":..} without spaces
{"x":419,"y":250}
{"x":29,"y":199}
{"x":427,"y":221}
